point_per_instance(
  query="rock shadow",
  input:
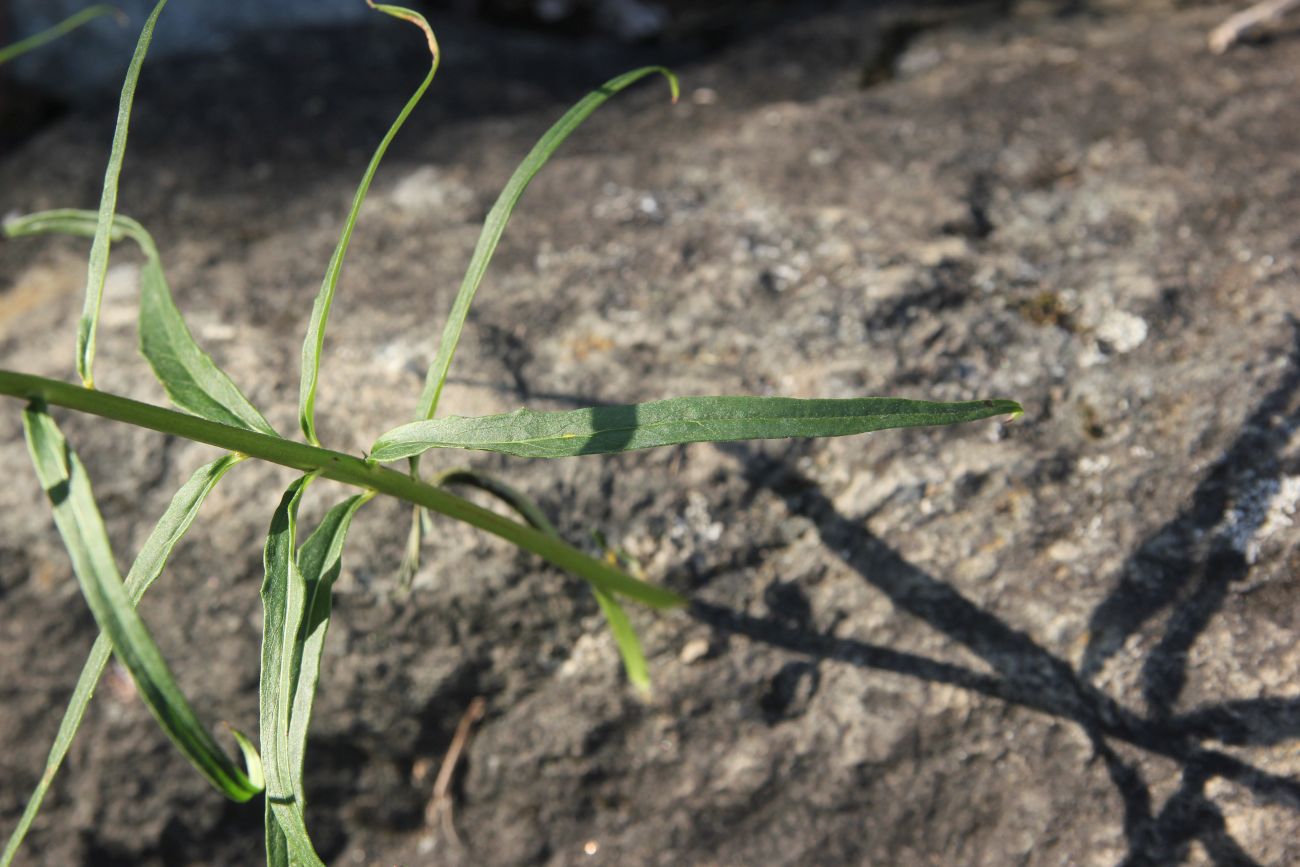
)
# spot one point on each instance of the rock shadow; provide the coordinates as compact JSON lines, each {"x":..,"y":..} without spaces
{"x":1162,"y":573}
{"x":1156,"y":576}
{"x":1191,"y":563}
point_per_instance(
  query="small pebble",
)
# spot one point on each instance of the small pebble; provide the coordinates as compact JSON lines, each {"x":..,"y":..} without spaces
{"x":694,"y":650}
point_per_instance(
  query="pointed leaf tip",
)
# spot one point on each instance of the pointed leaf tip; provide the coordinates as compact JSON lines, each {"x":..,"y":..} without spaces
{"x":614,"y":429}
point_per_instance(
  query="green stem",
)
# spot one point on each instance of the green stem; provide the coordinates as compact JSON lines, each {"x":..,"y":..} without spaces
{"x":340,"y":467}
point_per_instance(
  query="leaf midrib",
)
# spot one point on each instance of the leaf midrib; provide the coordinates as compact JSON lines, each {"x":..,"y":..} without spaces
{"x":651,"y":425}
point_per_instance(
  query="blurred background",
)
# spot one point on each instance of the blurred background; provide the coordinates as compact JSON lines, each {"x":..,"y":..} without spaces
{"x":555,"y":46}
{"x":97,"y":54}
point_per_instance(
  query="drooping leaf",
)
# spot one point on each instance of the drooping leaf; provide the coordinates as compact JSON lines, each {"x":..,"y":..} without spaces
{"x":320,"y":311}
{"x":284,"y":601}
{"x":77,"y":517}
{"x":67,"y":25}
{"x":495,"y":224}
{"x":612,"y":429}
{"x":147,"y":567}
{"x":98,"y":265}
{"x":192,"y":380}
{"x":625,"y":637}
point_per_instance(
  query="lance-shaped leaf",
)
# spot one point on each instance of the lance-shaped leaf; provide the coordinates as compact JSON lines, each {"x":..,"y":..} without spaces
{"x":610,"y":429}
{"x":284,"y":601}
{"x":320,"y":311}
{"x":147,"y":567}
{"x":97,"y":268}
{"x":67,"y":25}
{"x":319,"y":561}
{"x":77,"y":517}
{"x":495,"y":224}
{"x":192,"y":380}
{"x":625,"y":637}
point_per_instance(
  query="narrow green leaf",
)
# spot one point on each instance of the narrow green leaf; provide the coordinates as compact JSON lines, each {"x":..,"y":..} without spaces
{"x":638,"y":672}
{"x":495,"y":224}
{"x":98,"y":266}
{"x":284,"y":600}
{"x":82,"y":528}
{"x":340,"y":467}
{"x":611,"y":429}
{"x":192,"y":380}
{"x":277,"y":847}
{"x":67,"y":25}
{"x":320,"y":311}
{"x":625,"y":637}
{"x":319,"y":561}
{"x":147,"y":567}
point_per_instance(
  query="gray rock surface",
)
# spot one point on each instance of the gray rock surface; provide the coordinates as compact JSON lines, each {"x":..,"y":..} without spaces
{"x":1071,"y":639}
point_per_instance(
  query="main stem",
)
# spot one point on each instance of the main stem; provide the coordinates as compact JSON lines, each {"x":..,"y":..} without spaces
{"x":332,"y":465}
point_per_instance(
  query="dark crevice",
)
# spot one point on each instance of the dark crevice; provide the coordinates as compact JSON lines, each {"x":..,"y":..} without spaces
{"x":976,"y":224}
{"x":789,"y":691}
{"x":881,"y":66}
{"x":944,"y":287}
{"x":1188,"y":564}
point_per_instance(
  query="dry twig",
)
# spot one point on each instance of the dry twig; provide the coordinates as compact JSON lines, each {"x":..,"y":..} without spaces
{"x":438,"y":813}
{"x":1230,"y":32}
